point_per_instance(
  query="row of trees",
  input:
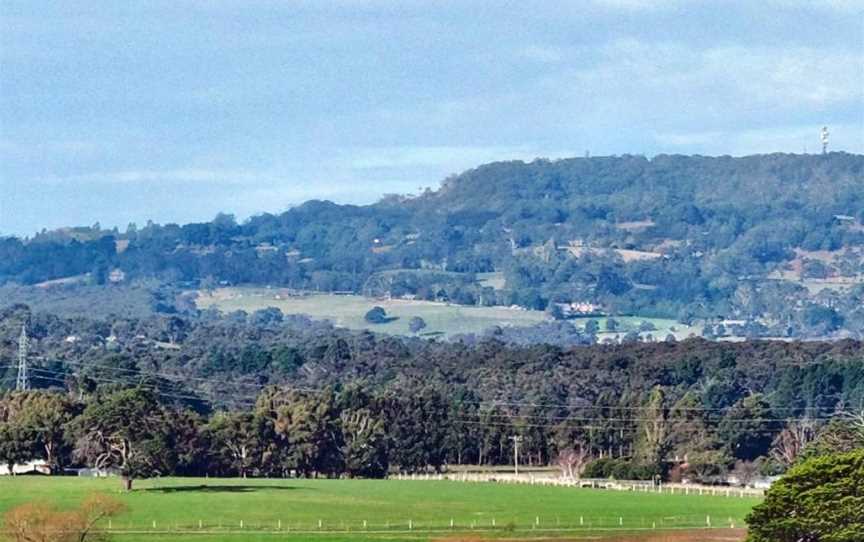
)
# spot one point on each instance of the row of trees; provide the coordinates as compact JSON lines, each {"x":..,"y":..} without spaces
{"x":412,"y":428}
{"x":287,"y":433}
{"x":693,"y":408}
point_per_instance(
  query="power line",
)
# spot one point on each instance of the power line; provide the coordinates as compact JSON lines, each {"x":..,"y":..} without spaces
{"x":650,"y":420}
{"x":57,"y":377}
{"x":567,"y":406}
{"x":251,"y":397}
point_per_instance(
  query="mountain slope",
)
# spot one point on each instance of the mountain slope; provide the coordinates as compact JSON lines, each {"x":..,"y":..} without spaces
{"x":772,"y":242}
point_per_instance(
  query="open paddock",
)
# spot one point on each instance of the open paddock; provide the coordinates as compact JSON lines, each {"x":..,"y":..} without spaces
{"x":237,"y":509}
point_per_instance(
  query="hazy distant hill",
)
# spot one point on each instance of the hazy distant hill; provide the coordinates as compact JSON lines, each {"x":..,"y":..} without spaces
{"x":768,"y":245}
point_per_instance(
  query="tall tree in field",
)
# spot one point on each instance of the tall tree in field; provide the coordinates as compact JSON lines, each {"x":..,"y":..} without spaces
{"x":235,"y":440}
{"x":188,"y":440}
{"x":308,"y":423}
{"x":47,"y":414}
{"x":688,"y":432}
{"x":417,"y":421}
{"x":493,"y":435}
{"x":652,"y":443}
{"x":746,"y":428}
{"x":363,"y":444}
{"x":127,"y":431}
{"x":572,"y":461}
{"x":17,"y":440}
{"x":792,"y":441}
{"x":17,"y":444}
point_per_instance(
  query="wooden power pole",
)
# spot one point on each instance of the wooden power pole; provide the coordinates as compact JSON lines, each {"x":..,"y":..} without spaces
{"x":516,"y":441}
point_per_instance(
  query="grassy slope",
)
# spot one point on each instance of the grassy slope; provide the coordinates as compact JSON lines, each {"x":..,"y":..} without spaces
{"x":344,"y":504}
{"x":348,"y":311}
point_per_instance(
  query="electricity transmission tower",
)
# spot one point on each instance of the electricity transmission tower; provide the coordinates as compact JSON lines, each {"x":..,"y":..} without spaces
{"x":23,"y":382}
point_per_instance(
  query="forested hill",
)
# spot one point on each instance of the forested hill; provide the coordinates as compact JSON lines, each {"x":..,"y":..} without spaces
{"x":772,"y":244}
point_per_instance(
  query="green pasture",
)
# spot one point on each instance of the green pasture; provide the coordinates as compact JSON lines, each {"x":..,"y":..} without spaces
{"x":441,"y":318}
{"x":390,"y":509}
{"x":349,"y":310}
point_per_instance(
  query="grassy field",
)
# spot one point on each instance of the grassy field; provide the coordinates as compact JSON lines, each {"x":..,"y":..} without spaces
{"x":392,"y":510}
{"x":441,"y":318}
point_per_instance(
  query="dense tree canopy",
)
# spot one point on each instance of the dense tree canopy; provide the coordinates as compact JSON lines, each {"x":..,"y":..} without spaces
{"x":293,"y":397}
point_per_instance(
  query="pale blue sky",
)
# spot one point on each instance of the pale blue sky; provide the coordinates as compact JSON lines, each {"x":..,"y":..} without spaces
{"x":175,"y":110}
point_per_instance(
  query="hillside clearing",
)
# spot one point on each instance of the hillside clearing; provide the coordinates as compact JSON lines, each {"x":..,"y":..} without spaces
{"x":441,"y":318}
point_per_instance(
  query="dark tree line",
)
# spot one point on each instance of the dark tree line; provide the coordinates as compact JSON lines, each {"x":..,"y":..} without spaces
{"x":336,"y":402}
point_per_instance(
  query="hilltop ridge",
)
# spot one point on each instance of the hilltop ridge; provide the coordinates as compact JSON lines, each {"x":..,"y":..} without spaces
{"x":762,"y":242}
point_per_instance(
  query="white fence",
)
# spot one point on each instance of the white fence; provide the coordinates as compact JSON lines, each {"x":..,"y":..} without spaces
{"x":619,"y":485}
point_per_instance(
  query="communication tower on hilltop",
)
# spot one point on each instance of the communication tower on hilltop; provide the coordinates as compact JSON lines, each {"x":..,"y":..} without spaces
{"x":825,"y":135}
{"x":23,"y":383}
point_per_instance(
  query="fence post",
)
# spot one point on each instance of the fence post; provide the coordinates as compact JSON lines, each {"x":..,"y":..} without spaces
{"x":708,"y":521}
{"x":154,"y":524}
{"x":279,"y":525}
{"x":241,"y":523}
{"x":581,"y":521}
{"x":320,"y":523}
{"x":620,"y":521}
{"x":200,"y":524}
{"x":364,"y":524}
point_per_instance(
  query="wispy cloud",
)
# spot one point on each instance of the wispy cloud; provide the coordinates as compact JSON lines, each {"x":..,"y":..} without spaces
{"x":543,"y":54}
{"x":638,"y":4}
{"x":173,"y":176}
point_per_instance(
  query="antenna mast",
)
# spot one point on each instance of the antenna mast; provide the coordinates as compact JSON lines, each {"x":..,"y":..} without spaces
{"x":825,"y":135}
{"x":23,"y":383}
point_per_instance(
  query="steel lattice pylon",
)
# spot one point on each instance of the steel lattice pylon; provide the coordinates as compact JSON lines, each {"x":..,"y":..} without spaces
{"x":23,"y":382}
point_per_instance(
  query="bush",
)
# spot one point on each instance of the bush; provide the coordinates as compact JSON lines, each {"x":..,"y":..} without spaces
{"x":820,"y":499}
{"x":618,"y":469}
{"x":42,"y":521}
{"x":376,"y":315}
{"x":416,"y":324}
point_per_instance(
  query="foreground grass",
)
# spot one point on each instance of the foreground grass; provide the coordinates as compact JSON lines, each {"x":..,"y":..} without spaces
{"x":392,"y":510}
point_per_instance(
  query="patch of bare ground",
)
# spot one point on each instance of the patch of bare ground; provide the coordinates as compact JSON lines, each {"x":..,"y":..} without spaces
{"x":696,"y":535}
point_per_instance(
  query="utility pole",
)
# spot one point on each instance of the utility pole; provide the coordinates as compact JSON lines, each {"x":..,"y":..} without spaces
{"x":23,"y":383}
{"x":517,"y":440}
{"x":824,"y":138}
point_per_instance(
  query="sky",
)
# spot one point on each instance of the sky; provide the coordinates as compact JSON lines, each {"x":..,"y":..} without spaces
{"x":176,"y":110}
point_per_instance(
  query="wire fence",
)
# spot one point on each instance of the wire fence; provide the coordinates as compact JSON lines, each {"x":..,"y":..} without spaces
{"x":455,"y":525}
